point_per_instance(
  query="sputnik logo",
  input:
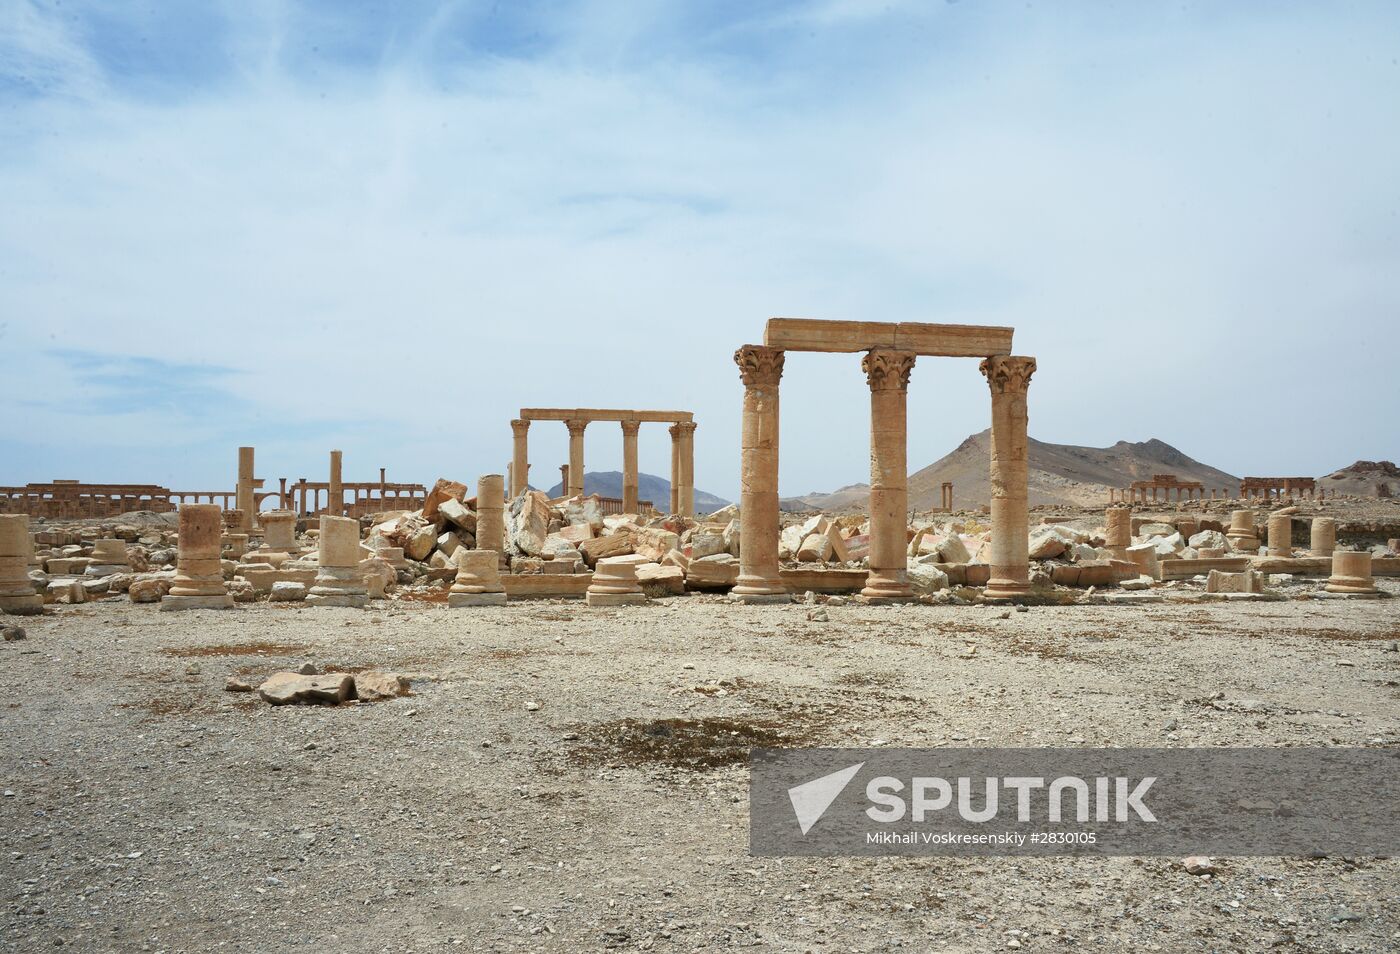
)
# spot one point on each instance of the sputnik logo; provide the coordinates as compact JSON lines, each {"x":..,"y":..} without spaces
{"x":810,"y":800}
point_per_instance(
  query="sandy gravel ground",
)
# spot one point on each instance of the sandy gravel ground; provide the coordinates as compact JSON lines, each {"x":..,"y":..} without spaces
{"x":566,"y":779}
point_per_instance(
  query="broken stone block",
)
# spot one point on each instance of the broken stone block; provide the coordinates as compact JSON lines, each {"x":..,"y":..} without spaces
{"x":420,"y":542}
{"x":657,"y":580}
{"x":458,"y":514}
{"x":66,"y":591}
{"x":241,"y":590}
{"x":290,"y":688}
{"x":713,"y":572}
{"x":725,"y":514}
{"x":527,"y":524}
{"x":816,"y":548}
{"x":707,"y":543}
{"x":1050,"y":541}
{"x":584,"y":510}
{"x":731,"y":537}
{"x":926,"y":579}
{"x":149,"y":590}
{"x":375,"y":686}
{"x":1246,"y":581}
{"x":608,"y":545}
{"x":1145,"y":556}
{"x":285,"y":591}
{"x":1209,"y":539}
{"x":448,"y":543}
{"x":443,"y":490}
{"x":654,"y":543}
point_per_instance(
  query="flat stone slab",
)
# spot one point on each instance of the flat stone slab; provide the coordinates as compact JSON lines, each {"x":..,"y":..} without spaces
{"x":459,"y":600}
{"x":349,"y":600}
{"x":1185,"y":569}
{"x":169,"y":603}
{"x":1325,"y":595}
{"x":524,"y":586}
{"x":615,"y":599}
{"x":1120,"y":599}
{"x":22,"y":605}
{"x":822,"y":580}
{"x":760,"y":599}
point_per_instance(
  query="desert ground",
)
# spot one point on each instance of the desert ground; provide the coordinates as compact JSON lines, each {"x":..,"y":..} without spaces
{"x":569,"y":779}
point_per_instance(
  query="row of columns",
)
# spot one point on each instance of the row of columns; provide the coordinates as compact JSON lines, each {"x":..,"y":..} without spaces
{"x":1140,"y":494}
{"x":887,"y":374}
{"x":682,"y":463}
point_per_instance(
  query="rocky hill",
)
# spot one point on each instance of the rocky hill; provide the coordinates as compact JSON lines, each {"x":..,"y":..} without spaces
{"x":1365,"y":478}
{"x":1059,"y":474}
{"x":608,"y":483}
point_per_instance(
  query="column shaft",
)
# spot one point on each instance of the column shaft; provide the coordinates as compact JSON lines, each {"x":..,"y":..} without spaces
{"x":629,"y":466}
{"x":1009,"y":377}
{"x":576,"y":427}
{"x":685,"y":497}
{"x":335,"y":495}
{"x":520,"y":459}
{"x":761,"y":369}
{"x":887,"y":372}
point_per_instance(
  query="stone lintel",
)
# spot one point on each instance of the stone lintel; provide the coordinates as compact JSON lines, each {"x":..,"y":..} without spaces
{"x":953,"y":341}
{"x":603,"y":414}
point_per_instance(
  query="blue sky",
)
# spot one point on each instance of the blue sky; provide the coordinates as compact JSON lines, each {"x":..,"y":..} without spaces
{"x":384,"y":227}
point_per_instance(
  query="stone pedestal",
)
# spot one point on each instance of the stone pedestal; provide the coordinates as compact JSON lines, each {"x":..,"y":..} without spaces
{"x":1324,"y":536}
{"x":1280,"y":535}
{"x":629,"y":466}
{"x":520,"y":458}
{"x":478,"y":580}
{"x":887,"y":373}
{"x":1009,"y":378}
{"x":280,"y":532}
{"x":199,"y":576}
{"x":761,"y":369}
{"x":339,"y":580}
{"x":108,"y":557}
{"x":236,"y":544}
{"x":575,"y":427}
{"x":614,"y":583}
{"x":1351,"y":574}
{"x":245,"y":490}
{"x":17,"y":596}
{"x":1119,"y":533}
{"x":1242,"y":535}
{"x":490,"y":515}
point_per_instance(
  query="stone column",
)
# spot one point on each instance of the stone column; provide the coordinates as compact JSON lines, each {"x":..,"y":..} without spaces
{"x":1009,"y":377}
{"x":17,"y":595}
{"x":563,"y":480}
{"x":335,"y":497}
{"x":629,"y":466}
{"x":685,"y":497}
{"x":1280,"y":535}
{"x":1242,"y":535}
{"x":675,"y":431}
{"x":614,"y":583}
{"x":520,"y":459}
{"x":575,"y":456}
{"x":490,"y":514}
{"x":887,"y":373}
{"x":199,"y":575}
{"x":1119,"y":535}
{"x":280,"y":532}
{"x":760,"y":368}
{"x":1351,"y":573}
{"x":245,"y":500}
{"x":1324,"y":536}
{"x":478,"y":579}
{"x":339,"y":580}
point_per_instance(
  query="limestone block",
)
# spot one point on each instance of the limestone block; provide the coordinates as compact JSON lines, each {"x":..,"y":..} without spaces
{"x":527,"y":525}
{"x":614,"y":583}
{"x":727,"y":514}
{"x":789,"y":540}
{"x":458,"y":514}
{"x":149,"y":589}
{"x":290,"y":688}
{"x":584,"y":510}
{"x":731,"y":536}
{"x":285,"y":591}
{"x":375,"y":686}
{"x":443,"y":490}
{"x":675,"y":558}
{"x":658,"y":580}
{"x":242,"y":591}
{"x":1167,"y":545}
{"x":857,"y":548}
{"x":1048,"y":542}
{"x":654,"y":543}
{"x":707,"y":543}
{"x":1145,"y":556}
{"x":1155,"y":528}
{"x":1245,"y":581}
{"x":448,"y":542}
{"x":608,"y":545}
{"x":1208,"y":539}
{"x":713,"y":572}
{"x":926,"y":578}
{"x":420,"y":542}
{"x":816,"y":548}
{"x":66,"y":591}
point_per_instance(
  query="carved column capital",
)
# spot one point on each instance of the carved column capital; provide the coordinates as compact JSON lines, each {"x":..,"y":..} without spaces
{"x":685,"y":428}
{"x":575,"y":426}
{"x":1008,"y":374}
{"x":520,"y":426}
{"x":630,"y":428}
{"x":886,"y":369}
{"x":759,"y":365}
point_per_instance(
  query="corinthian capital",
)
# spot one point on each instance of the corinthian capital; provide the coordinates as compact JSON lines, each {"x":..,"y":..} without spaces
{"x":1008,"y":374}
{"x":886,"y":369}
{"x":520,"y":426}
{"x":686,"y":428}
{"x":629,"y":428}
{"x":759,"y":366}
{"x":575,"y":426}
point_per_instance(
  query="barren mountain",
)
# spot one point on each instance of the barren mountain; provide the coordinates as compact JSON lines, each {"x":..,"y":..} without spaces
{"x":1365,"y":478}
{"x":1059,"y":474}
{"x":608,"y":483}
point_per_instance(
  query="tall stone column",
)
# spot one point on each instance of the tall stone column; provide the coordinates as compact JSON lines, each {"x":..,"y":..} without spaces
{"x":575,"y":456}
{"x":199,"y":576}
{"x":490,"y":514}
{"x":675,"y":431}
{"x":887,"y":373}
{"x":1009,"y":377}
{"x":520,"y":459}
{"x":246,"y":502}
{"x":17,"y":595}
{"x":1324,"y":536}
{"x":760,"y":368}
{"x":629,"y":466}
{"x":335,"y":496}
{"x":1280,"y":535}
{"x":1119,"y":533}
{"x":685,"y":496}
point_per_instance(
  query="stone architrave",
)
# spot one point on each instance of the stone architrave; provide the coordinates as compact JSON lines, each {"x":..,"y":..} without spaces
{"x":478,"y":580}
{"x":629,"y":465}
{"x":1242,"y":535}
{"x":615,"y":583}
{"x":199,"y":577}
{"x":1351,"y":573}
{"x":17,"y":596}
{"x":1280,"y":535}
{"x":1324,"y":537}
{"x":576,"y":427}
{"x":1009,"y":378}
{"x":759,"y":581}
{"x":887,"y":373}
{"x":339,"y":580}
{"x":520,"y":458}
{"x":1119,"y":533}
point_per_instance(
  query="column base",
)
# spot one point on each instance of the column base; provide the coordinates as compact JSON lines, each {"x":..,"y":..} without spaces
{"x":22,"y":605}
{"x":884,"y":598}
{"x":1334,"y":590}
{"x":459,"y":600}
{"x":760,"y":587}
{"x":169,"y":603}
{"x":614,"y":599}
{"x":883,"y":589}
{"x":1006,"y":590}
